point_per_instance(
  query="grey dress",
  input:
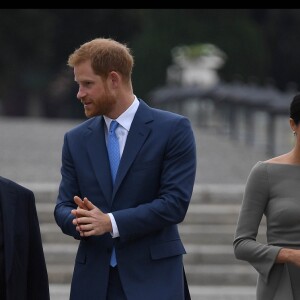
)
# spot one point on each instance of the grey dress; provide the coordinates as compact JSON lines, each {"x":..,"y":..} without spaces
{"x":272,"y":190}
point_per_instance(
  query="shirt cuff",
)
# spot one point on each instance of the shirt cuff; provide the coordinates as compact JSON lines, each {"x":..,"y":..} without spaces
{"x":115,"y":232}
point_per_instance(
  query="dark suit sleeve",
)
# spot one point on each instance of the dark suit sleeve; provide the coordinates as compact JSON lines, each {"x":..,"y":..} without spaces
{"x":38,"y":286}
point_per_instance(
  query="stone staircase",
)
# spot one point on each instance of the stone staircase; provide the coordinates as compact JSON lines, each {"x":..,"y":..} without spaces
{"x":213,"y":273}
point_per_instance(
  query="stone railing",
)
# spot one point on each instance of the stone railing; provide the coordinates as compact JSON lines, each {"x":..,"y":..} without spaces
{"x":232,"y":108}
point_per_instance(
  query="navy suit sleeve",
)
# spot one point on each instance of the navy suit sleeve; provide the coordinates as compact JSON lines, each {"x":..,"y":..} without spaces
{"x":67,"y":190}
{"x":178,"y":169}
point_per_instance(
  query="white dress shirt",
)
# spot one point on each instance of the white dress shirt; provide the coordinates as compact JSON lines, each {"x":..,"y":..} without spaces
{"x":124,"y":120}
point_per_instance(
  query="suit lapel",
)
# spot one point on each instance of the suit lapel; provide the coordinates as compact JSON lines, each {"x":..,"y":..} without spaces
{"x":8,"y":198}
{"x":96,"y":146}
{"x":137,"y":136}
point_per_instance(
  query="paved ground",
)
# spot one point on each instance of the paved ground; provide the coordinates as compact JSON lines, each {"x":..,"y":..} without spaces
{"x":30,"y":152}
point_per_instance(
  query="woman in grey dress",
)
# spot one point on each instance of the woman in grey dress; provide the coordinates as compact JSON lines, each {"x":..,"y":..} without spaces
{"x":273,"y":189}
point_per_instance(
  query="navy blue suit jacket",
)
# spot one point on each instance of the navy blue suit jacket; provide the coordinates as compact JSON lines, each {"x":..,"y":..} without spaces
{"x":151,"y":195}
{"x":26,"y":275}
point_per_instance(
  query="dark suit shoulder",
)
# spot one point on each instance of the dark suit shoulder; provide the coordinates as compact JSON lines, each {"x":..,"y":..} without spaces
{"x":167,"y":114}
{"x":9,"y":184}
{"x":84,"y":125}
{"x":160,"y":114}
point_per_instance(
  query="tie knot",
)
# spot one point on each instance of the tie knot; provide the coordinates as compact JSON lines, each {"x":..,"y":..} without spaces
{"x":113,"y":125}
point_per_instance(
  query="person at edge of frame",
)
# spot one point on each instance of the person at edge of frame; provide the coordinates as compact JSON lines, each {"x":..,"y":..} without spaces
{"x":23,"y":272}
{"x":272,"y":189}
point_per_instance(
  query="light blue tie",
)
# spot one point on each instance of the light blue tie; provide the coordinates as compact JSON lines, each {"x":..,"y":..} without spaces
{"x":113,"y":149}
{"x":114,"y":159}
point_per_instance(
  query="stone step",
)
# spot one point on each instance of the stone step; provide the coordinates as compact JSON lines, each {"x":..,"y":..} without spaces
{"x":197,"y":213}
{"x":45,"y":212}
{"x":204,"y":265}
{"x":210,"y":254}
{"x":221,"y":275}
{"x":212,"y":292}
{"x":59,"y":291}
{"x":199,"y":234}
{"x":221,"y":292}
{"x":218,"y":193}
{"x":60,"y":253}
{"x":51,"y":233}
{"x":212,"y":214}
{"x":202,"y":193}
{"x":60,"y":273}
{"x":198,"y":274}
{"x":196,"y":254}
{"x":44,"y":192}
{"x":207,"y":234}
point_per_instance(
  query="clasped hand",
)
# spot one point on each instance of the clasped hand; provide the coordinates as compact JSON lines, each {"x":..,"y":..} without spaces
{"x":89,"y":219}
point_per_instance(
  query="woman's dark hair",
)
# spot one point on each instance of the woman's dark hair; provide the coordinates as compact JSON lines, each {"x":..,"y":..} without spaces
{"x":295,"y":109}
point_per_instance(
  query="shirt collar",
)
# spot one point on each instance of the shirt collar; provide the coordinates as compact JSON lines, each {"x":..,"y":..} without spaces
{"x":126,"y":118}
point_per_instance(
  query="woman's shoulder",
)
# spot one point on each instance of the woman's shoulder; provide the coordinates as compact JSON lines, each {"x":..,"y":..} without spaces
{"x":277,"y":166}
{"x":281,"y":159}
{"x":259,"y":167}
{"x":284,"y":161}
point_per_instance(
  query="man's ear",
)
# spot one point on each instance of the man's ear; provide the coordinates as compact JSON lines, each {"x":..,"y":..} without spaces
{"x":114,"y":78}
